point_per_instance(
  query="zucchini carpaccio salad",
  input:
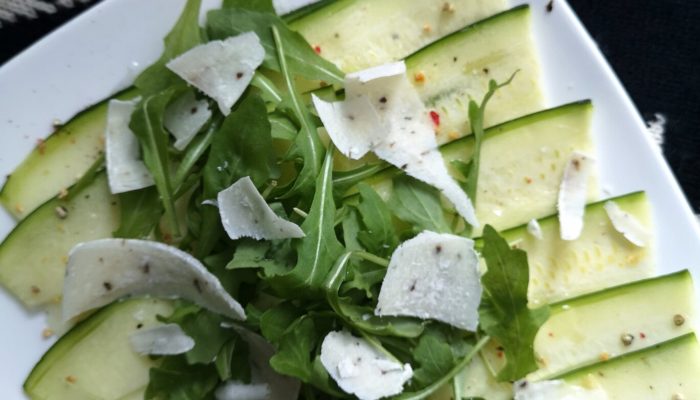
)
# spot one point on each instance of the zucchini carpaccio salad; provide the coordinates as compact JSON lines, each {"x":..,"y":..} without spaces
{"x":352,"y":199}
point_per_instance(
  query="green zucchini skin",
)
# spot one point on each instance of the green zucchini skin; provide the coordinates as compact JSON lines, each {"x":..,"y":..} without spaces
{"x":94,"y":360}
{"x":59,"y":161}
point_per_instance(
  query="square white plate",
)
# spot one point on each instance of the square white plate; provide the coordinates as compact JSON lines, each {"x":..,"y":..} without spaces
{"x":101,"y":51}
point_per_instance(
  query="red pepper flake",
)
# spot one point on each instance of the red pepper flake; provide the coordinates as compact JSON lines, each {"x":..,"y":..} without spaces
{"x":499,"y":354}
{"x":317,"y":49}
{"x":419,"y":77}
{"x":642,"y":335}
{"x":71,"y":379}
{"x":550,"y":334}
{"x":435,"y":117}
{"x":528,"y":180}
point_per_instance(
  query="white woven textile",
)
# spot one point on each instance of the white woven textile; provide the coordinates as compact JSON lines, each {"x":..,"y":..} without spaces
{"x":10,"y":10}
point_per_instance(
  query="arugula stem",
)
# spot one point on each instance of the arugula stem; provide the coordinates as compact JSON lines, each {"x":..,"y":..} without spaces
{"x":421,"y":394}
{"x":265,"y":85}
{"x":194,"y":152}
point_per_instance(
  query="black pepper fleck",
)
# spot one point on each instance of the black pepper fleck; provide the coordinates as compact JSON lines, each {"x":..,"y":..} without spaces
{"x":107,"y":285}
{"x":197,"y":286}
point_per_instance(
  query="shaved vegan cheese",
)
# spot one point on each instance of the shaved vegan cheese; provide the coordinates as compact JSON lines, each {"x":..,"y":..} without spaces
{"x":627,"y":224}
{"x":283,"y":7}
{"x":125,"y":169}
{"x":433,"y":276}
{"x":235,"y":390}
{"x":185,"y":117}
{"x":360,"y":369}
{"x":244,"y":213}
{"x":162,"y":340}
{"x":396,"y":127}
{"x":102,"y":271}
{"x":221,"y":69}
{"x":556,"y":389}
{"x":534,"y":229}
{"x":572,"y":195}
{"x":353,"y":125}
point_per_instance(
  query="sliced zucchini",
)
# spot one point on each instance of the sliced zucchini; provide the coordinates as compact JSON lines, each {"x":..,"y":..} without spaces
{"x":57,"y":162}
{"x":668,"y":370}
{"x":95,"y":360}
{"x":516,"y":186}
{"x":458,"y":68}
{"x":34,"y":255}
{"x":615,"y":321}
{"x":600,"y":258}
{"x":478,"y":383}
{"x":357,"y":34}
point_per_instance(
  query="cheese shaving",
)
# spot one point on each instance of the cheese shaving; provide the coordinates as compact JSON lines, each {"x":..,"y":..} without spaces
{"x":102,"y":271}
{"x":572,"y":195}
{"x":222,"y":69}
{"x":395,"y":125}
{"x":235,"y":390}
{"x":360,"y":369}
{"x":161,"y":340}
{"x":534,"y":229}
{"x":125,"y":168}
{"x":433,"y":276}
{"x":627,"y":225}
{"x":244,"y":213}
{"x":185,"y":117}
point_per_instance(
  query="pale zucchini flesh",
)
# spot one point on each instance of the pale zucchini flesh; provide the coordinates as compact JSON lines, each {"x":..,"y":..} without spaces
{"x":600,"y":258}
{"x":357,"y":34}
{"x":458,"y":68}
{"x":95,"y":359}
{"x":615,"y":321}
{"x":33,"y":257}
{"x":57,"y":162}
{"x":668,"y":370}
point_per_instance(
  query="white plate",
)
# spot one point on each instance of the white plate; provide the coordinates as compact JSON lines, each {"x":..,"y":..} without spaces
{"x":101,"y":51}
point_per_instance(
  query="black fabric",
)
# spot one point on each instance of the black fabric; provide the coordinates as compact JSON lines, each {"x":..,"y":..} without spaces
{"x":651,"y":44}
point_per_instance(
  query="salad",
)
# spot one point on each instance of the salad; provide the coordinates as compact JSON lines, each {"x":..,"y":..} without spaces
{"x":286,"y":207}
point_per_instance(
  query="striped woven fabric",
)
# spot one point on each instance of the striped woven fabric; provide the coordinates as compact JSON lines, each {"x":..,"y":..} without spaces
{"x":12,"y":10}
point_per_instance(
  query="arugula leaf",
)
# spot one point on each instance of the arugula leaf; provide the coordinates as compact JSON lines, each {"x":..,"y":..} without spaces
{"x":504,"y":313}
{"x":302,"y":59}
{"x":205,"y":328}
{"x":380,"y":237}
{"x":232,"y":361}
{"x":364,"y":276}
{"x":296,"y":357}
{"x":147,"y":125}
{"x":185,"y":35}
{"x":319,"y":249}
{"x":363,"y":319}
{"x":274,"y":257}
{"x":241,"y":147}
{"x":476,"y":118}
{"x":253,"y":5}
{"x":282,"y":127}
{"x":351,"y":227}
{"x":275,"y":321}
{"x":175,"y":379}
{"x":417,"y":203}
{"x":140,"y":212}
{"x":434,"y":357}
{"x":307,"y":143}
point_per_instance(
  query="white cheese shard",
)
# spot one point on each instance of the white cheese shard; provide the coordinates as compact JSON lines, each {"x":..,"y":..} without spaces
{"x":572,"y":195}
{"x":534,"y":229}
{"x":283,"y":7}
{"x":627,"y":225}
{"x":184,"y":117}
{"x":235,"y":390}
{"x":102,"y":271}
{"x":222,"y":69}
{"x":125,"y":168}
{"x":433,"y":276}
{"x":360,"y":369}
{"x":168,"y":339}
{"x":244,"y":213}
{"x":395,"y":125}
{"x":555,"y":389}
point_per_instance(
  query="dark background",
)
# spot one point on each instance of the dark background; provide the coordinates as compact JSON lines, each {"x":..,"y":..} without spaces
{"x":652,"y":45}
